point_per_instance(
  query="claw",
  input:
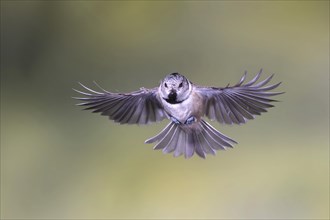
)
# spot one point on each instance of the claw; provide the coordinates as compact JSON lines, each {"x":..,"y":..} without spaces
{"x":190,"y":120}
{"x":176,"y":121}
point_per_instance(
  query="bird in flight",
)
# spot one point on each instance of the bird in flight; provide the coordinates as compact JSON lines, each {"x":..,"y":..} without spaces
{"x":185,"y":104}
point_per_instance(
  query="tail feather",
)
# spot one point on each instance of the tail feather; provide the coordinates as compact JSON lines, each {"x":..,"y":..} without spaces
{"x":207,"y":147}
{"x":185,"y":140}
{"x":222,"y":136}
{"x":161,"y":134}
{"x":216,"y":141}
{"x":181,"y":145}
{"x":173,"y":142}
{"x":198,"y":146}
{"x":217,"y":136}
{"x":190,"y":145}
{"x":168,"y":136}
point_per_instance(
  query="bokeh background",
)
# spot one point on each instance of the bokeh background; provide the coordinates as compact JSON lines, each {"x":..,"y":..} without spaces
{"x":60,"y":162}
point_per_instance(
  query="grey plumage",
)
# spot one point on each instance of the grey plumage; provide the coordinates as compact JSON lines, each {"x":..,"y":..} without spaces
{"x":204,"y":139}
{"x":139,"y":107}
{"x":185,"y":103}
{"x":240,"y":102}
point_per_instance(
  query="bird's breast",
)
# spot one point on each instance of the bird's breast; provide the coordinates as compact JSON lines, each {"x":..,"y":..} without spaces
{"x":192,"y":106}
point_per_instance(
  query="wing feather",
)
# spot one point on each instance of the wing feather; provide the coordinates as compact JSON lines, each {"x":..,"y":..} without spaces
{"x":239,"y":103}
{"x":139,"y":107}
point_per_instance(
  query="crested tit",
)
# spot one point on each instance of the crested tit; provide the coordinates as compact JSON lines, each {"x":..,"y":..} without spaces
{"x":185,"y":104}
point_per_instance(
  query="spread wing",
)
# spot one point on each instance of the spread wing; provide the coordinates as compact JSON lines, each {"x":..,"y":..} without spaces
{"x":236,"y":104}
{"x":139,"y":107}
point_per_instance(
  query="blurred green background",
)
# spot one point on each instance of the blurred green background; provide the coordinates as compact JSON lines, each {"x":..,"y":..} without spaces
{"x":60,"y":162}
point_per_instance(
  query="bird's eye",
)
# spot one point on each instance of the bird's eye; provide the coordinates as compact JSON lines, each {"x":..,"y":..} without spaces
{"x":165,"y":85}
{"x":180,"y":85}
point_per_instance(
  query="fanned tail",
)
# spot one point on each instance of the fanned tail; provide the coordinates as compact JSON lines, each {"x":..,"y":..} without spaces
{"x":199,"y":137}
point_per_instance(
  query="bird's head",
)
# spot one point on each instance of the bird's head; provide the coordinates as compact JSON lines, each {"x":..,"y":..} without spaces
{"x":175,"y":88}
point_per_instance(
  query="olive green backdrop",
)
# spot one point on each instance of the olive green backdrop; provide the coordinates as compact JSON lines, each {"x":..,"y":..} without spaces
{"x":58,"y":161}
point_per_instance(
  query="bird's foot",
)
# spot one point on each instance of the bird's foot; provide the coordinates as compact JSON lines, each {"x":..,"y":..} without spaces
{"x":190,"y":120}
{"x":176,"y":121}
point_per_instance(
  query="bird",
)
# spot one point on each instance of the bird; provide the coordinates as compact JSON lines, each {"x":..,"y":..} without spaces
{"x":186,"y":105}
